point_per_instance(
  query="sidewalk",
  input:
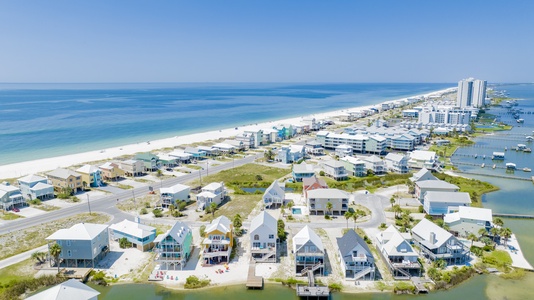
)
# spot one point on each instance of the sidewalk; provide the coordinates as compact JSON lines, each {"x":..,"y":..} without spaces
{"x":518,"y":260}
{"x":20,"y":257}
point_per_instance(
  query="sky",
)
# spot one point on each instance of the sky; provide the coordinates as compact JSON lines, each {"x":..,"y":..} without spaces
{"x":266,"y":41}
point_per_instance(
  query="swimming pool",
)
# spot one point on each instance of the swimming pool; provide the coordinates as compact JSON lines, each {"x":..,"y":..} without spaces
{"x":296,"y":211}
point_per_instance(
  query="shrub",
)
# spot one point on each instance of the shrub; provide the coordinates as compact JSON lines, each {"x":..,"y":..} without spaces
{"x":421,"y":209}
{"x":35,"y":202}
{"x":157,"y":213}
{"x":147,"y":204}
{"x":144,"y":211}
{"x":382,"y":226}
{"x":202,"y":230}
{"x":98,"y":277}
{"x":193,"y":282}
{"x":321,"y":173}
{"x":259,"y":177}
{"x":335,"y":287}
{"x":404,"y":287}
{"x":327,"y":217}
{"x":182,"y":205}
{"x":281,"y":230}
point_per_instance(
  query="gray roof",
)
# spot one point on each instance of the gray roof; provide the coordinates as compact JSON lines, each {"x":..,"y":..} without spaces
{"x":395,"y":157}
{"x":334,"y":164}
{"x":422,"y":173}
{"x":305,"y":235}
{"x":133,"y":228}
{"x":63,"y":173}
{"x":327,"y":193}
{"x":423,"y":230}
{"x":350,"y":240}
{"x":178,"y":232}
{"x":448,"y":197}
{"x":68,"y":290}
{"x":264,"y":219}
{"x":31,"y":178}
{"x":80,"y":231}
{"x":438,"y":184}
{"x":303,"y":168}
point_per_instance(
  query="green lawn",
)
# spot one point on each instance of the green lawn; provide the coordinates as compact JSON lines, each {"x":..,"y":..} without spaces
{"x":23,"y":269}
{"x":9,"y":216}
{"x":238,"y":204}
{"x":246,"y":175}
{"x":474,"y":187}
{"x":23,"y":240}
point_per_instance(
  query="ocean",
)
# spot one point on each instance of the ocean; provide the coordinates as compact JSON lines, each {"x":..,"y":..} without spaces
{"x":514,"y":196}
{"x":48,"y":120}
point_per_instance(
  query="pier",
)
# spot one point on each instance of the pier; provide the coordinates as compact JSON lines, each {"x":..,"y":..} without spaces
{"x":494,"y":175}
{"x":253,"y":281}
{"x":513,"y":216}
{"x":420,"y":287}
{"x":312,"y":290}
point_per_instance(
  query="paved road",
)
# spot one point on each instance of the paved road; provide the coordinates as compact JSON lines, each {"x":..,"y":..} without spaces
{"x":107,"y":204}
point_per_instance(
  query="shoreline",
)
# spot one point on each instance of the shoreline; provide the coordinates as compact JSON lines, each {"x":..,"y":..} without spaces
{"x":16,"y":170}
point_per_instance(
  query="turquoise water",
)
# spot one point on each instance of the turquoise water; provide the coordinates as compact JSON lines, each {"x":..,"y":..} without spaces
{"x":45,"y":120}
{"x":297,"y":211}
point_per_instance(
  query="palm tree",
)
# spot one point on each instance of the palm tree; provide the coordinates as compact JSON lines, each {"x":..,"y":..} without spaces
{"x":482,"y":232}
{"x":392,"y":201}
{"x":347,"y":215}
{"x":506,"y":233}
{"x":397,"y":209}
{"x":39,"y":257}
{"x":494,"y":231}
{"x":355,"y":217}
{"x":472,"y":237}
{"x":498,"y":221}
{"x":55,"y":251}
{"x":213,"y":208}
{"x":329,"y":207}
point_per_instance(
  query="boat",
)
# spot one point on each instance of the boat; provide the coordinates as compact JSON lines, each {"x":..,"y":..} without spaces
{"x":484,"y":156}
{"x":529,"y":138}
{"x":505,"y":148}
{"x":527,"y":150}
{"x":520,"y":121}
{"x":497,"y":155}
{"x":494,"y":165}
{"x":521,"y":147}
{"x":476,"y":155}
{"x":510,"y":166}
{"x":482,"y":165}
{"x":526,"y":169}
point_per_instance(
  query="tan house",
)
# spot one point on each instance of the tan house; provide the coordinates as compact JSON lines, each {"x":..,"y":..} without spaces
{"x":133,"y":167}
{"x":111,"y":171}
{"x":64,"y":178}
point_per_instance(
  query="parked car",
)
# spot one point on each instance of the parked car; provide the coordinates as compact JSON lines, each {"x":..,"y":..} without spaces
{"x":16,"y":209}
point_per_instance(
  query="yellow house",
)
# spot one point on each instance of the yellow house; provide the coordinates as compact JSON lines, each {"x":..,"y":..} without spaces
{"x":111,"y":171}
{"x":218,"y":241}
{"x":64,"y":178}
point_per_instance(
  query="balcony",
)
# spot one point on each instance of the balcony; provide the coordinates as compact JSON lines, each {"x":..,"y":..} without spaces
{"x":216,"y":253}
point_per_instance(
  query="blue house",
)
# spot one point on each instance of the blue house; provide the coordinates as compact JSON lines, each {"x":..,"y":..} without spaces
{"x":174,"y":247}
{"x":82,"y":246}
{"x":91,"y":175}
{"x":139,"y":235}
{"x":441,"y":203}
{"x":301,"y":171}
{"x":35,"y":187}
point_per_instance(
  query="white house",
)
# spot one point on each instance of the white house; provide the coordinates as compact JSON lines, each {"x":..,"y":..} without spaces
{"x":441,"y":203}
{"x":343,"y":150}
{"x":397,"y":163}
{"x":398,"y":254}
{"x":213,"y":192}
{"x":263,"y":234}
{"x":354,"y":166}
{"x":309,"y":251}
{"x":374,"y":163}
{"x":68,"y":290}
{"x":335,"y":169}
{"x":171,"y":195}
{"x":422,"y":175}
{"x":274,"y":194}
{"x":35,"y":187}
{"x":469,"y":220}
{"x":357,"y":261}
{"x":422,"y":159}
{"x":421,"y":187}
{"x":317,"y":201}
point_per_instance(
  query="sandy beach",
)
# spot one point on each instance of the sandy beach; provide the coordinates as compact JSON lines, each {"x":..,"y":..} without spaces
{"x":20,"y":169}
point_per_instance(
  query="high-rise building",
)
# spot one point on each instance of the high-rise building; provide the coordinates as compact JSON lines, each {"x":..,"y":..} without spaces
{"x":471,"y":92}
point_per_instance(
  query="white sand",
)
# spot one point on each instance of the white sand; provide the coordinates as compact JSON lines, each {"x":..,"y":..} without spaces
{"x":41,"y":165}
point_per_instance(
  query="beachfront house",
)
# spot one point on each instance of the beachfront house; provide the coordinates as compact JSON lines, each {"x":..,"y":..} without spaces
{"x":82,"y":246}
{"x":263,"y":234}
{"x":437,"y":243}
{"x":302,"y":170}
{"x":112,"y":171}
{"x":64,"y":179}
{"x":196,"y":153}
{"x":35,"y":187}
{"x":68,"y":290}
{"x":237,"y":144}
{"x":181,"y":156}
{"x":317,"y":201}
{"x":138,"y":235}
{"x":422,"y":175}
{"x":257,"y":137}
{"x":402,"y":142}
{"x":343,"y":150}
{"x":309,"y":252}
{"x":376,"y":144}
{"x":397,"y":163}
{"x":357,"y":261}
{"x":354,"y":166}
{"x":210,"y":151}
{"x":421,"y":187}
{"x":398,"y":254}
{"x":441,"y":203}
{"x":214,"y":192}
{"x":335,"y":170}
{"x":246,"y":139}
{"x":274,"y":195}
{"x":173,"y":194}
{"x":131,"y":167}
{"x":269,"y":136}
{"x":314,"y":148}
{"x":10,"y":197}
{"x":167,"y":160}
{"x":469,"y":220}
{"x":423,"y":159}
{"x":218,"y":241}
{"x":375,"y":164}
{"x":91,"y":176}
{"x":174,"y":247}
{"x":225,"y":147}
{"x":150,"y":160}
{"x":312,"y":183}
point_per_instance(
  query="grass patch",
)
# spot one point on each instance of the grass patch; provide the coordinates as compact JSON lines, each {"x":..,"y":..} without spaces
{"x":46,"y":207}
{"x":241,"y":176}
{"x":23,"y":240}
{"x":474,"y":187}
{"x":194,"y":167}
{"x":238,"y":204}
{"x":124,"y":186}
{"x":404,"y":287}
{"x":514,"y":274}
{"x":8,"y":216}
{"x":15,"y":272}
{"x":146,"y":201}
{"x":370,"y":183}
{"x":497,"y":258}
{"x":193,"y":282}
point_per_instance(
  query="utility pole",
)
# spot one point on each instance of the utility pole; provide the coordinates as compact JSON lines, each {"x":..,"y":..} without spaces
{"x":200,"y":176}
{"x":88,"y":204}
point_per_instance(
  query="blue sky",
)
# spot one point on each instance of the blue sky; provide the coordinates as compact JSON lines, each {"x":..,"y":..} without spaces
{"x":266,"y":41}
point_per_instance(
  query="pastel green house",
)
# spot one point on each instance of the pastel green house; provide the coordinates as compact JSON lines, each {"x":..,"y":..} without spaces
{"x":174,"y":247}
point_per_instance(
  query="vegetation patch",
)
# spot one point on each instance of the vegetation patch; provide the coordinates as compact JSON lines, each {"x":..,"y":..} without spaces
{"x":404,"y":287}
{"x":15,"y":289}
{"x":8,"y":216}
{"x":447,"y":279}
{"x":475,"y":188}
{"x":193,"y":282}
{"x":235,"y":204}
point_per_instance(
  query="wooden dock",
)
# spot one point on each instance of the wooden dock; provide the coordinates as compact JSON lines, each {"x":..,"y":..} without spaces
{"x":76,"y":273}
{"x":313,"y":292}
{"x":513,"y":216}
{"x":253,"y":281}
{"x":420,"y":287}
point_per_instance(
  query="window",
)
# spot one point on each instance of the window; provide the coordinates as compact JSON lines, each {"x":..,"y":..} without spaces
{"x":68,"y":242}
{"x":271,"y":236}
{"x":69,"y":253}
{"x":256,"y":237}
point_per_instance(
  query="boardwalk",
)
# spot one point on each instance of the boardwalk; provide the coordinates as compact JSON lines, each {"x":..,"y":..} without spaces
{"x":253,"y":281}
